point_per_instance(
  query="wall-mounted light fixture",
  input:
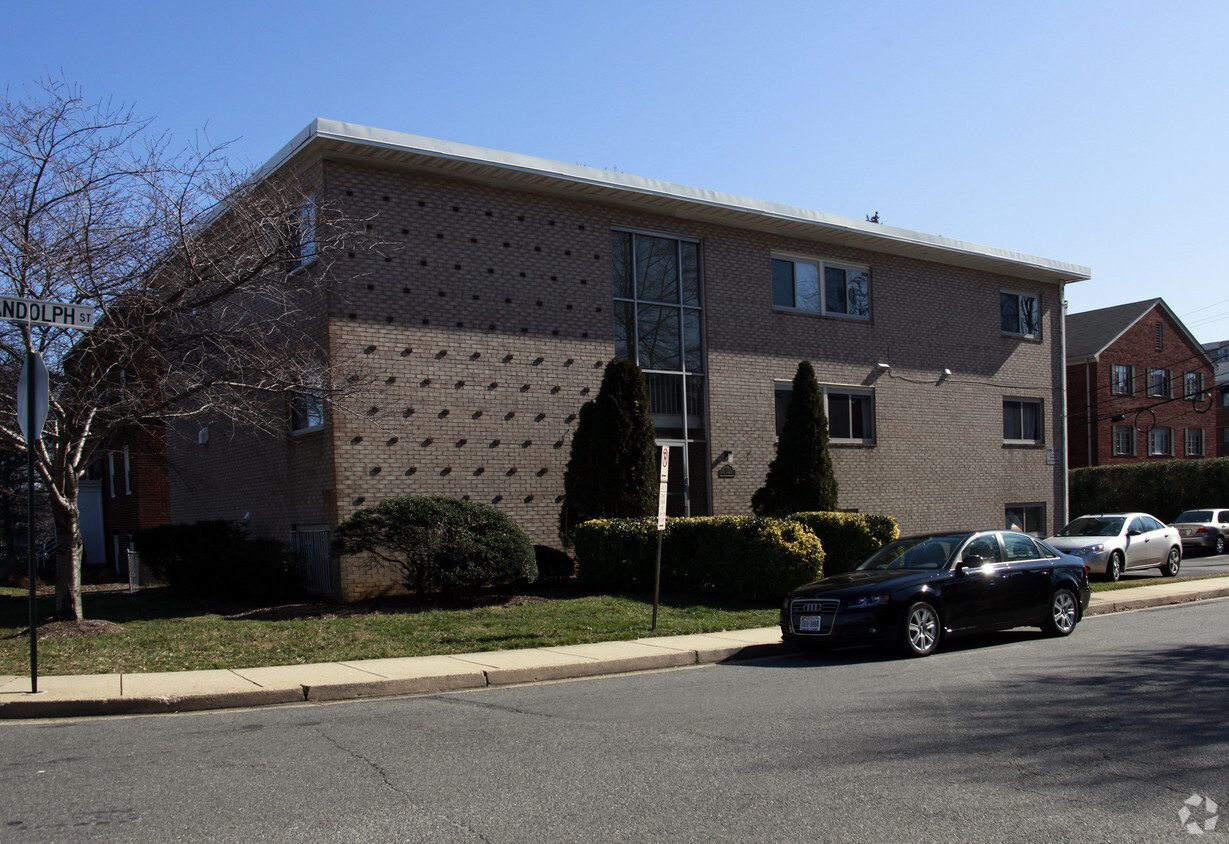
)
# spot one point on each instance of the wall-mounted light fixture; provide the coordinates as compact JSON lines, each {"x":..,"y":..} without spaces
{"x":727,"y":456}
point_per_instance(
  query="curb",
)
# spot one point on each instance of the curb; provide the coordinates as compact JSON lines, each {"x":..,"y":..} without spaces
{"x":77,"y":696}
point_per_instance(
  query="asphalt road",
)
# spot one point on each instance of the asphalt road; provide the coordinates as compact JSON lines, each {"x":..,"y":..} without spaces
{"x":1195,"y":564}
{"x":1102,"y":736}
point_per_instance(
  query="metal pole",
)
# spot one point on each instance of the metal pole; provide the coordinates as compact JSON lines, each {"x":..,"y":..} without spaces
{"x":30,"y":438}
{"x":657,"y":582}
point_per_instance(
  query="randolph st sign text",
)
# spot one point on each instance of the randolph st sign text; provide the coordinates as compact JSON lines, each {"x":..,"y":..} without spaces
{"x":64,"y":315}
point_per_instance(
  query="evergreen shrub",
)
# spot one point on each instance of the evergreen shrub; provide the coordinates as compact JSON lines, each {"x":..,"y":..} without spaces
{"x":217,"y":560}
{"x":848,"y":538}
{"x":1164,"y":488}
{"x":741,"y":557}
{"x":441,"y":544}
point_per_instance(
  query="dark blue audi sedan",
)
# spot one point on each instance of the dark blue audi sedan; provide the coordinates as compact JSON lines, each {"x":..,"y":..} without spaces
{"x":914,"y":592}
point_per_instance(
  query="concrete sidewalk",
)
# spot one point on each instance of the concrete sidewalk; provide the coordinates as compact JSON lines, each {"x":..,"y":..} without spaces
{"x":185,"y":691}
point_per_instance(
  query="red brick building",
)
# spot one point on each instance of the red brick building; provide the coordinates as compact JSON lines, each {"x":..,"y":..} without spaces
{"x":510,"y":283}
{"x":135,"y":489}
{"x":1139,"y":387}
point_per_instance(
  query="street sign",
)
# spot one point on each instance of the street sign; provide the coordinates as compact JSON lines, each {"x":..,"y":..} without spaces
{"x":661,"y":492}
{"x":35,"y":369}
{"x":60,"y":314}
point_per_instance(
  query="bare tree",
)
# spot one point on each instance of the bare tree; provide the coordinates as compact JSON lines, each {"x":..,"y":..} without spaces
{"x":210,"y":287}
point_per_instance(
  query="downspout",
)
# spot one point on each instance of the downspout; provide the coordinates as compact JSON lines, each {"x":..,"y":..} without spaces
{"x":1088,"y":413}
{"x":1061,"y":504}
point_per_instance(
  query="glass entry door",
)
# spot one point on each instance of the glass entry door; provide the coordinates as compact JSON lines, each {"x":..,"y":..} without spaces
{"x":687,"y":481}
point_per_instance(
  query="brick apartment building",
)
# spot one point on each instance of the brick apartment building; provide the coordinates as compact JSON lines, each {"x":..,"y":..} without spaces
{"x":133,"y":489}
{"x":517,"y":279}
{"x":1219,"y":353}
{"x":1139,"y":387}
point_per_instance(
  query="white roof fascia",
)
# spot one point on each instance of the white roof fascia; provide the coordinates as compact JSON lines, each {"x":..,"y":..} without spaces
{"x":397,"y":141}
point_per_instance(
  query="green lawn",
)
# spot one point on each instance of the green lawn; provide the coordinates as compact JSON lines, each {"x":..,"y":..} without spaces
{"x":162,"y":633}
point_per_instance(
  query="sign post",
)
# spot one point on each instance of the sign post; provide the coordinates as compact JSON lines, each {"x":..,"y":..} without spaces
{"x":32,"y":403}
{"x":661,"y":527}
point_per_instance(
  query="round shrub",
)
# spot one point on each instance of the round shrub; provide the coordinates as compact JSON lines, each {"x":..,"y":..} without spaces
{"x":441,"y":544}
{"x":554,"y":566}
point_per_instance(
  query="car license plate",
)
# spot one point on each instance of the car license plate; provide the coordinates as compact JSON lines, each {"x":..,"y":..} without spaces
{"x":810,"y":624}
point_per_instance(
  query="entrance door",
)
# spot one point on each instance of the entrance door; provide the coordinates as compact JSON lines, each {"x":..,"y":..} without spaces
{"x":687,"y":481}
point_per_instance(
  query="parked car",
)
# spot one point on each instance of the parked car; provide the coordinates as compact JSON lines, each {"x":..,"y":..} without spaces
{"x":1203,"y":530}
{"x":916,"y":591}
{"x":1111,"y":543}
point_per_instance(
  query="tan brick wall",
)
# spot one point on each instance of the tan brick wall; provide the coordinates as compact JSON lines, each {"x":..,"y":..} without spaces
{"x":489,"y":322}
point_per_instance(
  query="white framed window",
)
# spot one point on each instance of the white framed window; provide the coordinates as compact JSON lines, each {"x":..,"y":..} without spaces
{"x":1224,"y":399}
{"x":1022,"y":421}
{"x":1193,"y":385}
{"x":826,"y":287}
{"x":307,"y":402}
{"x":1194,"y":442}
{"x":1161,"y":442}
{"x":301,"y":235}
{"x":1020,"y":314}
{"x":111,"y":473}
{"x":1158,"y":382}
{"x":1123,"y":441}
{"x":1122,"y":380}
{"x":850,"y":412}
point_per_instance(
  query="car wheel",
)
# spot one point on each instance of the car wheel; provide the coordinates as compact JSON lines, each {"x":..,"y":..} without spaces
{"x":1172,"y":563}
{"x":1063,"y":614}
{"x":1220,"y":545}
{"x":1113,"y":570}
{"x":919,"y":631}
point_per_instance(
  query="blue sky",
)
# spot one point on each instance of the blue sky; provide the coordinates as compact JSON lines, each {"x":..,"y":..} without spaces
{"x":1087,"y":132}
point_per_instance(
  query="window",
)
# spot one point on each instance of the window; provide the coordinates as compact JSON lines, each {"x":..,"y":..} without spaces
{"x":127,"y":472}
{"x":1158,"y":382}
{"x":1021,"y":548}
{"x":1022,"y":421}
{"x":1122,"y":380}
{"x":1224,"y":399}
{"x":1224,"y":435}
{"x":307,"y":403}
{"x":1029,"y":518}
{"x":1160,"y":336}
{"x":1193,"y":385}
{"x":821,"y":286}
{"x":1020,"y":314}
{"x":111,"y":473}
{"x":1123,"y":441}
{"x":851,"y":413}
{"x":1161,"y":442}
{"x":1194,"y":442}
{"x":301,"y":235}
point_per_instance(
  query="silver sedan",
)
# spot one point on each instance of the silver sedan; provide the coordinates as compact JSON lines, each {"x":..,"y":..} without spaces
{"x":1204,"y":530}
{"x":1111,"y":543}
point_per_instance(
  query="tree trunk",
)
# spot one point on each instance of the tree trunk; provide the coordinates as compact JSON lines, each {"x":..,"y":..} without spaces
{"x":69,"y":554}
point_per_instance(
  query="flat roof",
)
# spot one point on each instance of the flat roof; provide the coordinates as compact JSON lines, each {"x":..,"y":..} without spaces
{"x":331,"y":139}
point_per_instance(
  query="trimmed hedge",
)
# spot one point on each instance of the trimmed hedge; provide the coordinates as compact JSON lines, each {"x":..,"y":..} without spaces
{"x":743,"y":557}
{"x":441,"y":544}
{"x":848,"y":538}
{"x":1164,"y":488}
{"x":217,"y":560}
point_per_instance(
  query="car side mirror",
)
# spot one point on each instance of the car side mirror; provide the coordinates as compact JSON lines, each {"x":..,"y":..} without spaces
{"x":1134,"y":532}
{"x":970,"y":561}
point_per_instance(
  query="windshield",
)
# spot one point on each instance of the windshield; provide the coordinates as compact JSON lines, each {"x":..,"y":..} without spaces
{"x":1094,"y":526}
{"x":1195,"y":516}
{"x":918,"y":552}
